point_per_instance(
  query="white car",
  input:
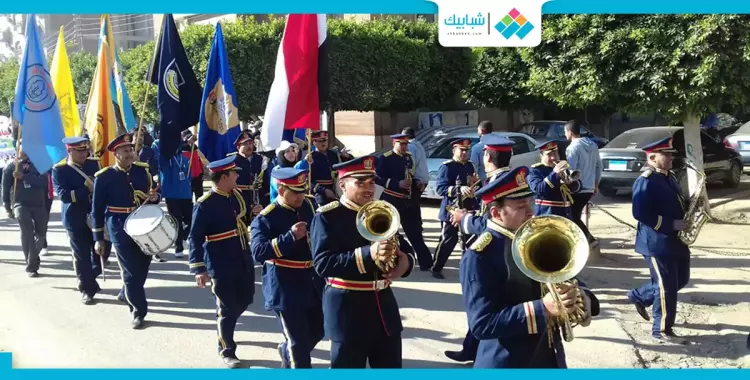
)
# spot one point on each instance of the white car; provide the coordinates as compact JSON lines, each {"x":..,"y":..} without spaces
{"x":524,"y":154}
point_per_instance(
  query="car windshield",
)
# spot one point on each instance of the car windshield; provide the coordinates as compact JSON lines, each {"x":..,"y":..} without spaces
{"x":538,"y":129}
{"x":446,"y":149}
{"x":637,"y":138}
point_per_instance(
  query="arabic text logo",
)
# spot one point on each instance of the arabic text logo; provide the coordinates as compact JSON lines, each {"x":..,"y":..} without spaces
{"x":467,"y":26}
{"x":514,"y":23}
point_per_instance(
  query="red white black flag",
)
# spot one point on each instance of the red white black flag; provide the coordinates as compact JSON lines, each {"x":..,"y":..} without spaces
{"x":301,"y":79}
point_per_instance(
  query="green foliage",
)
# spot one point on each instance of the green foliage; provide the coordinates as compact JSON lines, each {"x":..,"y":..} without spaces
{"x":498,"y":80}
{"x":8,"y":77}
{"x":82,"y":67}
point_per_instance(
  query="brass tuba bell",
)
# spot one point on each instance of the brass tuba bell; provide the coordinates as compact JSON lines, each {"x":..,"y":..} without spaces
{"x":379,"y":221}
{"x":552,"y":250}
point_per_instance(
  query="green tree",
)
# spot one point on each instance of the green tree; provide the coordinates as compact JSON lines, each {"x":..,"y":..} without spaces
{"x":498,"y":79}
{"x":8,"y":77}
{"x":82,"y":67}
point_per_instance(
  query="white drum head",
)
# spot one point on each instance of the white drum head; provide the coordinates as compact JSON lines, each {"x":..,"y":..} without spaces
{"x":144,"y":220}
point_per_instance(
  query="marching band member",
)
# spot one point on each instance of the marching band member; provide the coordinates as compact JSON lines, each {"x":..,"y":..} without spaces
{"x":74,"y":184}
{"x":118,"y":190}
{"x":495,"y":160}
{"x":503,"y":305}
{"x":455,"y":179}
{"x":321,"y":172}
{"x":361,"y":314}
{"x":250,"y":163}
{"x":220,"y":252}
{"x":497,"y":153}
{"x":395,"y":171}
{"x":659,"y":208}
{"x":291,"y":287}
{"x":552,"y":195}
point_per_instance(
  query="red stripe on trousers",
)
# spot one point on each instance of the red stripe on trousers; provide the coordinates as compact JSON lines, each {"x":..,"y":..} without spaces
{"x":300,"y":46}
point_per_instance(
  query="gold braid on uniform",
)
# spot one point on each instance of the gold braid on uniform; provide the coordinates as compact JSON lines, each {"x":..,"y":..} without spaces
{"x":566,"y":192}
{"x":241,"y":226}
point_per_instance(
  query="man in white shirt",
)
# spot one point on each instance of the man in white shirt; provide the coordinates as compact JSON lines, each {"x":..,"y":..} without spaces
{"x":421,"y":176}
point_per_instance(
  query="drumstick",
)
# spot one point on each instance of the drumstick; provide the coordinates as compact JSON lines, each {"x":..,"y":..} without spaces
{"x":101,"y":262}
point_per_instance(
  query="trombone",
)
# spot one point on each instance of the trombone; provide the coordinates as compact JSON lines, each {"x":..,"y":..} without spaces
{"x":552,"y":250}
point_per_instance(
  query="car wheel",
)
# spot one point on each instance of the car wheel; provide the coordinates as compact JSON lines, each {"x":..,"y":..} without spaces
{"x":734,"y":176}
{"x":607,"y":192}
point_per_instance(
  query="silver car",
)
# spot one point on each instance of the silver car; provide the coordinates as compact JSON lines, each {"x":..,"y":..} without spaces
{"x":740,"y":141}
{"x":524,"y":153}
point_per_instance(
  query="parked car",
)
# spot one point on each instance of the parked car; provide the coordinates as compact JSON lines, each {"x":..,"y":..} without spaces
{"x":546,"y":130}
{"x":623,"y":160}
{"x":740,"y":142}
{"x":524,"y":154}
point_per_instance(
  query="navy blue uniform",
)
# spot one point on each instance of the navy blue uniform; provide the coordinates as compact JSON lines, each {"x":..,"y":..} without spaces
{"x":451,"y":176}
{"x":362,"y":317}
{"x":657,"y":203}
{"x":391,"y":168}
{"x":219,"y":246}
{"x":321,"y":174}
{"x":247,"y":182}
{"x":551,"y":195}
{"x":117,"y":193}
{"x":291,"y":287}
{"x":70,"y":182}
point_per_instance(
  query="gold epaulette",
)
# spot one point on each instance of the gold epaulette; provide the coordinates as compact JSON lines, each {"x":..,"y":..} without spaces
{"x":268,"y":209}
{"x":60,"y":164}
{"x":102,"y":170}
{"x":329,"y":207}
{"x":388,"y":153}
{"x":482,"y":242}
{"x":538,"y":164}
{"x":141,"y":164}
{"x":204,"y":197}
{"x":446,"y":162}
{"x":647,"y":173}
{"x":309,"y":196}
{"x":409,"y":153}
{"x":231,"y":154}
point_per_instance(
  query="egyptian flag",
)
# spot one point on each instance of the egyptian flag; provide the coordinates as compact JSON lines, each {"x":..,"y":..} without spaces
{"x":301,"y":79}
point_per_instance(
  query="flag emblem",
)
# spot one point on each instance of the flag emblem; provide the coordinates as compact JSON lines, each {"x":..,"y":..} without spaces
{"x":220,"y":112}
{"x":173,"y":81}
{"x":39,"y":93}
{"x":368,"y":164}
{"x":521,"y":178}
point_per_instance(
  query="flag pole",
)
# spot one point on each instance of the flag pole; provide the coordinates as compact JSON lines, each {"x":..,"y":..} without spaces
{"x":18,"y":153}
{"x":192,"y":151}
{"x":309,"y":159}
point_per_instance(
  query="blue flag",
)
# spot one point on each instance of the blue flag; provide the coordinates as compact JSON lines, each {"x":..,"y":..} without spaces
{"x":36,"y":107}
{"x":179,"y":96}
{"x":219,"y":122}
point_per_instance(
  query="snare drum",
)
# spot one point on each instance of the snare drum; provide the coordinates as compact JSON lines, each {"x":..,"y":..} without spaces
{"x":152,"y":229}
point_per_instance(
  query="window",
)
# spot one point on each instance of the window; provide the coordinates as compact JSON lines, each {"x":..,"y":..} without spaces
{"x":521,"y":145}
{"x":536,"y":129}
{"x":446,"y":149}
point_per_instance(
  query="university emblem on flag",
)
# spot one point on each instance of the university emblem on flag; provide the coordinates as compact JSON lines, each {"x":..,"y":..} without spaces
{"x":368,"y":164}
{"x":40,"y":96}
{"x":173,"y":80}
{"x":221,"y":114}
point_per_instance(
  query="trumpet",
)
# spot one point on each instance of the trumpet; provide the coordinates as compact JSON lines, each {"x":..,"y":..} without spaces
{"x":569,"y":175}
{"x":552,"y":250}
{"x":379,"y":221}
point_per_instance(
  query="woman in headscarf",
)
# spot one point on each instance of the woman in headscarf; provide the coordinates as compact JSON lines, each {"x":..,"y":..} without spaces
{"x":287,"y":155}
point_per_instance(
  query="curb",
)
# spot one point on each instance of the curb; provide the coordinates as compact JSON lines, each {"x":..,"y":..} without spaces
{"x":729,"y":198}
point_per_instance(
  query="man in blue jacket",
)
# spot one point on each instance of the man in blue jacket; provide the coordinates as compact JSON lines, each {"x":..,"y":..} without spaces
{"x":175,"y":181}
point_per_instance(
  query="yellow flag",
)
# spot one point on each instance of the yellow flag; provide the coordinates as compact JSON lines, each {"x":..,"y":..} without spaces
{"x":100,"y":113}
{"x":62,"y":80}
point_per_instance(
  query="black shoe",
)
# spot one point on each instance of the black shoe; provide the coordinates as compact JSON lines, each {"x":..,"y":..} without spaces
{"x":87,"y":299}
{"x":32,"y":274}
{"x":438,"y":275}
{"x":137,"y":323}
{"x":458,"y":356}
{"x":640,"y":308}
{"x":424,"y":269}
{"x":231,"y":362}
{"x":669,"y":338}
{"x":280,"y":350}
{"x":159,"y":259}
